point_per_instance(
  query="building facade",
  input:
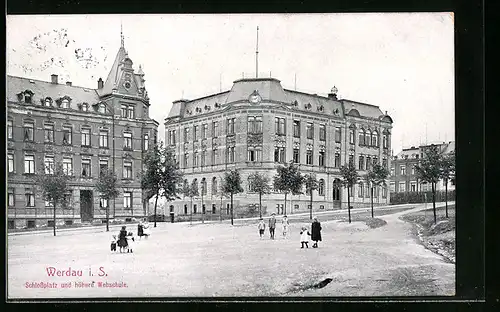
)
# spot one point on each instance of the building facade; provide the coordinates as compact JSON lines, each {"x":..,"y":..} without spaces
{"x":258,"y":125}
{"x":86,"y":130}
{"x":403,"y":177}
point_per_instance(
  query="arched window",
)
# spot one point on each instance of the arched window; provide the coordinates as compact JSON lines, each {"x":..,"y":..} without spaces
{"x":361,"y":137}
{"x":384,"y":142}
{"x":48,"y":102}
{"x":360,"y":190}
{"x":102,"y":108}
{"x":375,"y":138}
{"x":214,"y":185}
{"x":321,"y":187}
{"x":368,"y":136}
{"x":195,"y":183}
{"x":203,"y":186}
{"x":85,"y":107}
{"x":250,"y":185}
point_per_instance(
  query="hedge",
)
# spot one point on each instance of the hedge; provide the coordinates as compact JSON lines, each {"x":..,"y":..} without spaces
{"x":419,"y":197}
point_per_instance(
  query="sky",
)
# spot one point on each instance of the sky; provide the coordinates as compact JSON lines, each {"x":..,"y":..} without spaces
{"x":401,"y":62}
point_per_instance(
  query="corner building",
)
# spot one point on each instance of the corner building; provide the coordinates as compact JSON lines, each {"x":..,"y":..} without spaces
{"x":258,"y":125}
{"x":86,"y":130}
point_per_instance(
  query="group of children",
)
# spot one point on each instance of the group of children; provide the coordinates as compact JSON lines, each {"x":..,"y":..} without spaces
{"x":304,"y":233}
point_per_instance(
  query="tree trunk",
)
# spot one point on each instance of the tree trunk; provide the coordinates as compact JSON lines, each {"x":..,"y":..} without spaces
{"x":220,"y":211}
{"x":434,"y":201}
{"x":156,"y":203}
{"x":107,"y":216}
{"x":260,"y":205}
{"x":311,"y":205}
{"x":371,"y":195}
{"x":232,"y":217}
{"x":191,"y":214}
{"x":54,"y":218}
{"x":202,"y":212}
{"x":349,"y":204}
{"x":446,"y":196}
{"x":284,"y":212}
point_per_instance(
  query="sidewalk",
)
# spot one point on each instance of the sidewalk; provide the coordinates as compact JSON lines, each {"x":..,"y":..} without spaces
{"x":96,"y":228}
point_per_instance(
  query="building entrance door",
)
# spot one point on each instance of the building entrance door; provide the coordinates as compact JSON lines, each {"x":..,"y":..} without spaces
{"x":336,"y":194}
{"x":86,"y":209}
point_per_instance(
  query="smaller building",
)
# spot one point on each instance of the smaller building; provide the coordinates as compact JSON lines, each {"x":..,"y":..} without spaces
{"x":403,"y":177}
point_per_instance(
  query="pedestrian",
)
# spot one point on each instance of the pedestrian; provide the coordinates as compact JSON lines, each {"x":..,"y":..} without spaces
{"x":113,"y":243}
{"x":130,"y":242}
{"x":272,"y":225}
{"x":285,"y":223}
{"x":262,"y":227}
{"x":146,"y":230}
{"x":140,"y":230}
{"x":316,"y":232}
{"x":304,"y":237}
{"x":122,"y":239}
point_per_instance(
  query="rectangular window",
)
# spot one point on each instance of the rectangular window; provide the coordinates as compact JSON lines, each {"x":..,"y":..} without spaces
{"x":351,"y":160}
{"x":127,"y":170}
{"x":174,"y":136}
{"x":11,"y":198}
{"x":215,"y":129}
{"x":196,"y":130}
{"x":204,"y":131}
{"x":203,"y":158}
{"x":186,"y":135}
{"x":402,"y":186}
{"x":310,"y":130}
{"x":351,"y":136}
{"x":127,"y":200}
{"x":86,"y":137}
{"x":86,"y":168}
{"x":368,"y":163}
{"x":186,"y":160}
{"x":279,"y":154}
{"x":337,"y":160}
{"x":29,"y":129}
{"x":309,"y":157}
{"x":254,"y":155}
{"x":49,"y":133}
{"x":255,"y":124}
{"x":322,"y":133}
{"x":360,"y":190}
{"x":195,"y":159}
{"x":169,"y":137}
{"x":10,"y":163}
{"x":49,"y":203}
{"x":361,"y":163}
{"x":103,"y":165}
{"x":68,"y":166}
{"x":131,"y":112}
{"x":392,"y":185}
{"x":231,"y":154}
{"x":103,"y":138}
{"x":403,"y":170}
{"x":296,"y":128}
{"x":127,"y":140}
{"x":67,"y":135}
{"x":392,"y":171}
{"x":30,"y":199}
{"x":361,"y":137}
{"x":103,"y":203}
{"x":230,"y":126}
{"x":10,"y":130}
{"x":146,"y":142}
{"x":49,"y":164}
{"x":29,"y":164}
{"x":413,"y":169}
{"x":413,"y":187}
{"x":279,"y":126}
{"x":296,"y":155}
{"x":124,"y":111}
{"x":384,"y":141}
{"x":375,"y":161}
{"x":214,"y":157}
{"x":384,"y":163}
{"x":384,"y":192}
{"x":338,"y":133}
{"x":321,"y":159}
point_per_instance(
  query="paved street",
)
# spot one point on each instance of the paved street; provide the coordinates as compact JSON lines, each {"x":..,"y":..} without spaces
{"x":206,"y":260}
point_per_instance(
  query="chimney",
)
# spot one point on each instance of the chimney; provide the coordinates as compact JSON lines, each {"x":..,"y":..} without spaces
{"x":100,"y":83}
{"x":68,"y":83}
{"x":53,"y":78}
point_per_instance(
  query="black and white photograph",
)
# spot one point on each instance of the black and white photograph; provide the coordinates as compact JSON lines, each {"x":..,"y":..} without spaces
{"x":230,"y":155}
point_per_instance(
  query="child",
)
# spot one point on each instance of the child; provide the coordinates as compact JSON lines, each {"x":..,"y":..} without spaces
{"x":130,"y":242}
{"x":304,"y":239}
{"x":113,"y":243}
{"x":262,"y":227}
{"x":285,"y":223}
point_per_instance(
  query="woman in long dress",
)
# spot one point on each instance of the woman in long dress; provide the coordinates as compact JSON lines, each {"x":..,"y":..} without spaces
{"x":316,"y":232}
{"x":146,"y":230}
{"x":122,"y":239}
{"x":140,"y":230}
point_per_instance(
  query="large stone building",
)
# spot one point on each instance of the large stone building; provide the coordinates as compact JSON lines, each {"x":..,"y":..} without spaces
{"x":258,"y":125}
{"x":403,"y":177}
{"x":84,"y":129}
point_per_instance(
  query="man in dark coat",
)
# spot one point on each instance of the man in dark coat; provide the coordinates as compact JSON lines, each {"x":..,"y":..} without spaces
{"x":122,"y":239}
{"x":272,"y":225}
{"x":316,"y":232}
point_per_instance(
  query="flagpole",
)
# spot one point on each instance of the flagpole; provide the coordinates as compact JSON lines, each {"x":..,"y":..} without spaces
{"x":257,"y":55}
